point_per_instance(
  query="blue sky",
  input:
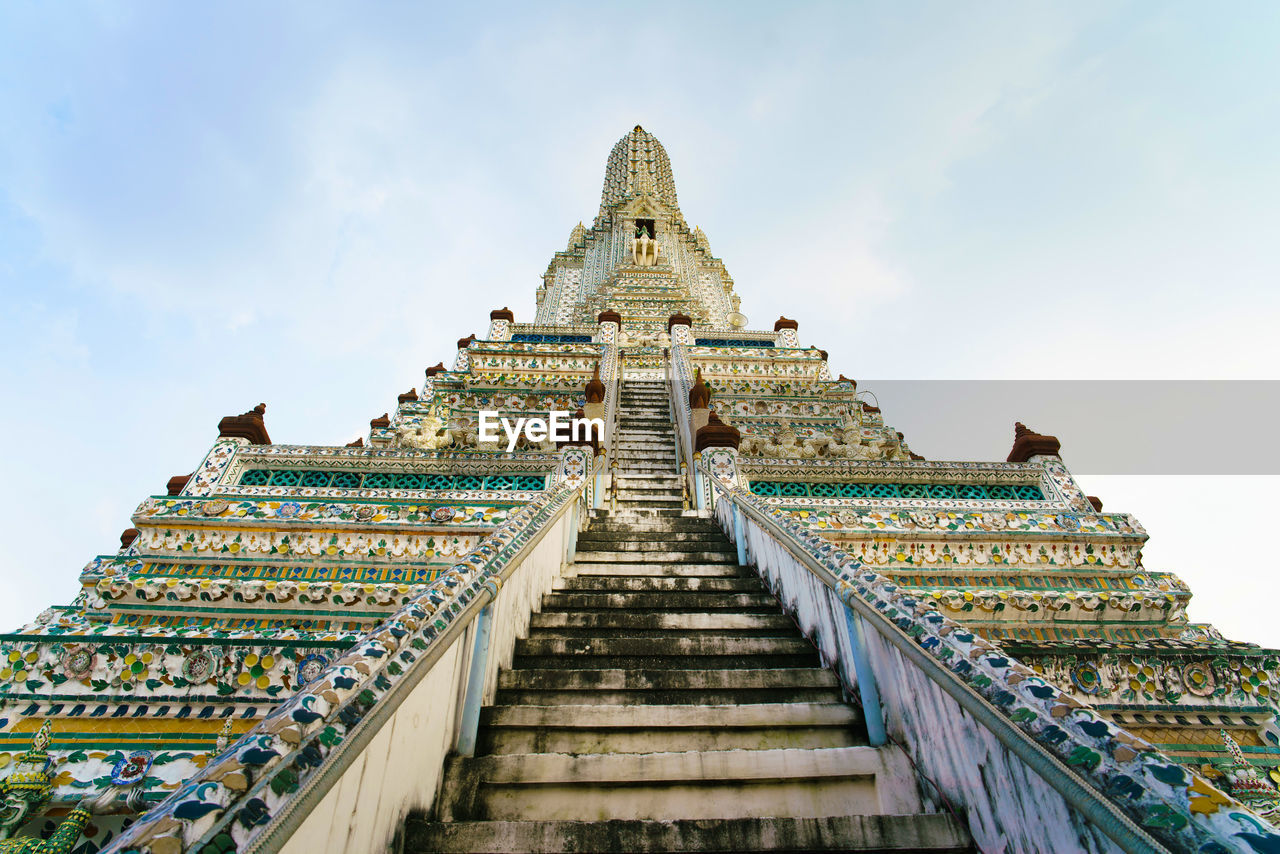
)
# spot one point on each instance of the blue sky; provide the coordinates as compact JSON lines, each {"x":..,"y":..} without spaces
{"x":206,"y":207}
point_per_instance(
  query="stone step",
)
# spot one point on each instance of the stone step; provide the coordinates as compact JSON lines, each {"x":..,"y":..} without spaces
{"x":625,"y":623}
{"x":605,"y":524}
{"x":937,"y":832}
{"x":706,"y":645}
{"x":610,"y":539}
{"x":676,"y":602}
{"x":687,"y":584}
{"x":713,"y":784}
{"x":599,"y":728}
{"x":647,"y":487}
{"x":667,"y":686}
{"x":672,"y":555}
{"x":631,"y":570}
{"x":667,"y":541}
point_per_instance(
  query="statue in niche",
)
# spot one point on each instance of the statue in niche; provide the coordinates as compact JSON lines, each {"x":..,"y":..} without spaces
{"x":644,"y":245}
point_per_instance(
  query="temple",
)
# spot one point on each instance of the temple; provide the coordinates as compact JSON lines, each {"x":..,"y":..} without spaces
{"x":744,"y":615}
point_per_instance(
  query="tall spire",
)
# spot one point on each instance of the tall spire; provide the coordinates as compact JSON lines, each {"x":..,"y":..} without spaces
{"x":638,"y":165}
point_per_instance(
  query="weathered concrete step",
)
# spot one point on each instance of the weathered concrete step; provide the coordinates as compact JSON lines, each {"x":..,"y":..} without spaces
{"x":651,"y":480}
{"x":672,"y":555}
{"x":598,"y":728}
{"x":665,"y":494}
{"x":676,"y":717}
{"x":725,"y":696}
{"x":656,"y":584}
{"x":591,"y":660}
{"x":674,"y":601}
{"x":690,"y":784}
{"x":608,"y":540}
{"x":605,"y":524}
{"x":701,"y":534}
{"x":646,"y":499}
{"x":658,"y":686}
{"x":637,"y":513}
{"x":621,"y":620}
{"x":548,"y":642}
{"x":668,"y":542}
{"x":696,"y":570}
{"x":937,"y":832}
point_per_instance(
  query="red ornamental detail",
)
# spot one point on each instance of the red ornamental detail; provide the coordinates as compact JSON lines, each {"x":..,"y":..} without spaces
{"x":717,"y":434}
{"x":595,"y":388}
{"x":699,"y":395}
{"x":249,"y":426}
{"x":1027,"y":444}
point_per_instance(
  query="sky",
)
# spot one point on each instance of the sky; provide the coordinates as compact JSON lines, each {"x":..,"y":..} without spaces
{"x":203,"y":207}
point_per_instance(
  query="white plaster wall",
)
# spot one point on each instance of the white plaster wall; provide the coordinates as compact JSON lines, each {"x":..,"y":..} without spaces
{"x":1009,"y":807}
{"x":400,"y":770}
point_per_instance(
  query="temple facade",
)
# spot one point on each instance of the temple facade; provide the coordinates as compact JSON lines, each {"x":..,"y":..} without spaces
{"x":264,"y":610}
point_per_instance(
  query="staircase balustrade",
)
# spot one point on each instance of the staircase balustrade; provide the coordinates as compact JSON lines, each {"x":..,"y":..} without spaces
{"x":969,"y":714}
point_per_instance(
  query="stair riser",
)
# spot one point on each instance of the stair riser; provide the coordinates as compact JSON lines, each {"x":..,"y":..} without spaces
{"x":655,"y":662}
{"x":738,"y":697}
{"x":547,"y":740}
{"x":746,"y":603}
{"x":546,"y":643}
{"x":937,"y":832}
{"x":669,"y":680}
{"x":596,"y":802}
{"x":655,"y":556}
{"x":637,"y":570}
{"x":670,"y":542}
{"x":611,"y":539}
{"x":659,"y":585}
{"x":607,"y":622}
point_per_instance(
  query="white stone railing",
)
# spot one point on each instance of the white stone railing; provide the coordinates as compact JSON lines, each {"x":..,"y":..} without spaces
{"x":340,"y":764}
{"x":1032,"y":768}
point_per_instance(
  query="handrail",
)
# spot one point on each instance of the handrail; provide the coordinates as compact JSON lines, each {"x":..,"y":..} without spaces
{"x":1123,"y":785}
{"x":324,"y":727}
{"x":679,"y":383}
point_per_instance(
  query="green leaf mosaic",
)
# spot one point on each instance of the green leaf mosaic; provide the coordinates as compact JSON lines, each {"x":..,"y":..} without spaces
{"x":321,"y":478}
{"x":968,"y":491}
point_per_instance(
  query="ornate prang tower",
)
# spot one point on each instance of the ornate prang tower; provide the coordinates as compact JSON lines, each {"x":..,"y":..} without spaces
{"x":293,"y":645}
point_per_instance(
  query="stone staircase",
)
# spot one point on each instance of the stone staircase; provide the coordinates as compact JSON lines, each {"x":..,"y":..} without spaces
{"x":664,"y":702}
